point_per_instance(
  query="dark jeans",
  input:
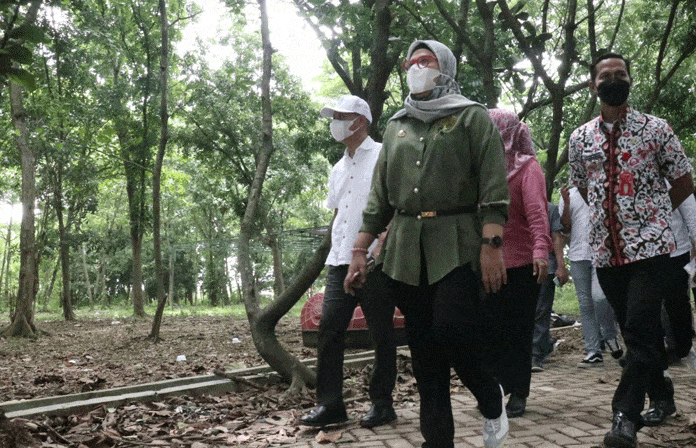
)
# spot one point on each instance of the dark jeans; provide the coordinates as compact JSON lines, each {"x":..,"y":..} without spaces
{"x":635,"y":292}
{"x":541,"y":339}
{"x":444,"y":324}
{"x":512,"y":311}
{"x":377,"y":302}
{"x":677,"y":317}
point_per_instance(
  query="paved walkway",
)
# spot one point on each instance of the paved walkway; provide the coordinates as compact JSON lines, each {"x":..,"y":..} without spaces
{"x":568,"y":407}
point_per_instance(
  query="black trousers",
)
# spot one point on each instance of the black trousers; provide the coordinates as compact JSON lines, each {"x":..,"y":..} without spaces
{"x":678,"y":321}
{"x":512,"y":313}
{"x":635,"y":292}
{"x":377,"y":301}
{"x":444,"y":324}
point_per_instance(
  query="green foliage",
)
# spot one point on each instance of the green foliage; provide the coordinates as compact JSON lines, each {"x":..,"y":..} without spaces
{"x":17,"y":44}
{"x":94,"y":122}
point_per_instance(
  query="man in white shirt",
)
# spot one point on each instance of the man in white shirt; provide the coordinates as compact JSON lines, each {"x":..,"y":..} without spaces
{"x":349,"y":185}
{"x":677,"y":316}
{"x":597,"y":316}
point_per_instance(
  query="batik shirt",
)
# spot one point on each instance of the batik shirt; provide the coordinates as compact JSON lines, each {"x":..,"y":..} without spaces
{"x":623,"y":168}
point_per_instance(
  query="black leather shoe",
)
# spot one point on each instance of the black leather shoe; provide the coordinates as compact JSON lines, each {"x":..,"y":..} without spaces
{"x":378,"y":416}
{"x":515,"y":406}
{"x":324,"y":416}
{"x":658,"y":412}
{"x":622,"y":434}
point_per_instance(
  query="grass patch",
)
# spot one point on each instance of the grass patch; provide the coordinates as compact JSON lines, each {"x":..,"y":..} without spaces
{"x":122,"y":311}
{"x":566,"y":301}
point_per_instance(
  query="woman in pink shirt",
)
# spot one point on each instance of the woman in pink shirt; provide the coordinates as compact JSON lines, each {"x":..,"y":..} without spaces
{"x":526,"y":246}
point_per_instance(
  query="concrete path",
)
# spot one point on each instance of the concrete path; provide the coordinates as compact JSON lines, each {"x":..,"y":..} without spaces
{"x":568,"y":407}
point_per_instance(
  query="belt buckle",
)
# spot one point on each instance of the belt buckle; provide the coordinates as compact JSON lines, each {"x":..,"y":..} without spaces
{"x":428,"y":214}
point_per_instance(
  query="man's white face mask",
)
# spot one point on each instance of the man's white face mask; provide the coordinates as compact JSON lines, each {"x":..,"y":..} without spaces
{"x":421,"y":80}
{"x":340,"y":129}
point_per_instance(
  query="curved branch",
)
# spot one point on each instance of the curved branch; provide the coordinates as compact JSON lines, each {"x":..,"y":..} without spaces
{"x":618,"y":25}
{"x":329,"y":45}
{"x":665,"y":39}
{"x":513,"y":24}
{"x":461,"y":33}
{"x":531,"y":105}
{"x":431,"y":32}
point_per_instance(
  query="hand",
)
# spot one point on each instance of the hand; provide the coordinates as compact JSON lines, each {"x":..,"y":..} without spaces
{"x":541,"y":269}
{"x":357,"y":273}
{"x":493,"y":273}
{"x":562,"y":274}
{"x":565,"y":194}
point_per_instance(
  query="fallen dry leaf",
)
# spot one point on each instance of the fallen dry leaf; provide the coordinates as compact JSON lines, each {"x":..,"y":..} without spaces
{"x":691,"y":418}
{"x":328,"y":437}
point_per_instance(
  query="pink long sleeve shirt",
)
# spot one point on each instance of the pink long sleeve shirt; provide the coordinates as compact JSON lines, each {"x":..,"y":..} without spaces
{"x":526,"y":235}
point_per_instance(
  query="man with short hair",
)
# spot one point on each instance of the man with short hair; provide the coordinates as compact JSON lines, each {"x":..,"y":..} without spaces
{"x":349,"y":185}
{"x":619,"y":161}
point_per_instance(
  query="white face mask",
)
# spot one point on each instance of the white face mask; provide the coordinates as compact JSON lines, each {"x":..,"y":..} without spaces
{"x":340,"y":129}
{"x":421,"y":80}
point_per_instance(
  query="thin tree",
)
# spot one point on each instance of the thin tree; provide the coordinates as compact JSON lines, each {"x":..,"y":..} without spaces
{"x":263,"y":320}
{"x":5,"y":256}
{"x":157,"y":174}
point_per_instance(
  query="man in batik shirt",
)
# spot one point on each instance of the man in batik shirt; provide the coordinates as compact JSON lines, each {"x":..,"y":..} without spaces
{"x":619,"y":161}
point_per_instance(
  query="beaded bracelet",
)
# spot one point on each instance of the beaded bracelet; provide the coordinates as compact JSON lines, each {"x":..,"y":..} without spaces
{"x":360,"y":249}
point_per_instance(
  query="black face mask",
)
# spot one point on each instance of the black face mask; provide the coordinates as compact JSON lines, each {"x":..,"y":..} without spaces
{"x":614,"y":92}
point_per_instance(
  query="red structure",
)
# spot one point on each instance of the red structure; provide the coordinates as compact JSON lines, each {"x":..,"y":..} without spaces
{"x":357,"y":335}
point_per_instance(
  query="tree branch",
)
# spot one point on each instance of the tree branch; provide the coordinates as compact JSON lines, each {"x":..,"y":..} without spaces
{"x":665,"y":39}
{"x":513,"y":24}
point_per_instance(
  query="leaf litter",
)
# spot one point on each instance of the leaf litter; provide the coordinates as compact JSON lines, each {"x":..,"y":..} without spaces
{"x":76,"y":357}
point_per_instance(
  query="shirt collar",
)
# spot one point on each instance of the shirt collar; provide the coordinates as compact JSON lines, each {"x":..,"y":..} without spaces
{"x":623,"y":113}
{"x":366,"y":145}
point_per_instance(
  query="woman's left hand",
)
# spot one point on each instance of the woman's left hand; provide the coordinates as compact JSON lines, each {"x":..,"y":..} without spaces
{"x":493,"y":273}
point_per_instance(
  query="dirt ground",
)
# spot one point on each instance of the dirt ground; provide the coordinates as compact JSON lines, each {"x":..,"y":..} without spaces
{"x":80,"y":356}
{"x":73,"y":357}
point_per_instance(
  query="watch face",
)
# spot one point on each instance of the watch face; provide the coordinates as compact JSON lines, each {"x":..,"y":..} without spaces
{"x":495,"y":242}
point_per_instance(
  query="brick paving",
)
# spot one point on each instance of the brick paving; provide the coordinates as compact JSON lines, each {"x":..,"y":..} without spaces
{"x":568,"y":407}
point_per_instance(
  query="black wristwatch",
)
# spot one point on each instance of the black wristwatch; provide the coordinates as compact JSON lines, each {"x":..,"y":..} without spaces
{"x":495,"y":242}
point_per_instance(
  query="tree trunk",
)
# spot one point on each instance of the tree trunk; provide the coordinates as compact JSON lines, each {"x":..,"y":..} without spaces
{"x":88,"y":285}
{"x":263,"y":322}
{"x":6,"y":254}
{"x":137,"y":286}
{"x":65,"y":297}
{"x":170,"y":295}
{"x":6,"y":272}
{"x":279,"y":284}
{"x":157,"y":174}
{"x":271,"y":240}
{"x":51,"y":284}
{"x":23,"y":319}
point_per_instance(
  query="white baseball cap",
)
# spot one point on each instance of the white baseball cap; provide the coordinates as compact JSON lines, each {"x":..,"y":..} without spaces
{"x":348,"y":104}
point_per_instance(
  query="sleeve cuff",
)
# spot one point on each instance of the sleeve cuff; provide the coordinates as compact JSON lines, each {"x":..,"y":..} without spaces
{"x":492,"y":216}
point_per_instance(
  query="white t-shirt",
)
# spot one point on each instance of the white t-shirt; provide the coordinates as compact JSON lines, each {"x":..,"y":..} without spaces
{"x":579,"y":245}
{"x":684,"y":225}
{"x":349,"y":185}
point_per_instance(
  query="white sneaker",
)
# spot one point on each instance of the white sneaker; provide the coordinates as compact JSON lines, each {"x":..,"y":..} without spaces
{"x":690,"y":359}
{"x":495,"y":430}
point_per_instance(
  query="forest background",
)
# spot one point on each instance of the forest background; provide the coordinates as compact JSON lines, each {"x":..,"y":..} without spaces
{"x":150,"y":178}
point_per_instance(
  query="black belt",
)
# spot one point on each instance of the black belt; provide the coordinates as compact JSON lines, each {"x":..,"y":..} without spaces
{"x":436,"y":213}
